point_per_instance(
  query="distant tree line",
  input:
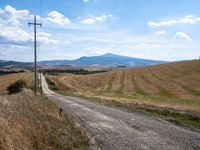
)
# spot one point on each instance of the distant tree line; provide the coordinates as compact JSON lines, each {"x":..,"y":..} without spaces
{"x":4,"y":72}
{"x":80,"y":72}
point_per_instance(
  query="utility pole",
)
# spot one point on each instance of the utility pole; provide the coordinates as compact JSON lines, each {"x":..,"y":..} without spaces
{"x":35,"y":24}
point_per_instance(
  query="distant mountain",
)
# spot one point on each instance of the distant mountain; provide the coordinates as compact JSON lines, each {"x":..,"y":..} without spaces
{"x":109,"y":59}
{"x":4,"y":63}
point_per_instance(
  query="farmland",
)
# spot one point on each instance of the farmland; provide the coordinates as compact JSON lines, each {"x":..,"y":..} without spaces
{"x":175,"y":85}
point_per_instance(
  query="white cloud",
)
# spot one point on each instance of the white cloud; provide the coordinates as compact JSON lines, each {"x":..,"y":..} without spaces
{"x":14,"y":33}
{"x":86,"y":0}
{"x":93,"y":19}
{"x":184,"y":20}
{"x":11,"y":16}
{"x":160,"y":32}
{"x":57,"y":18}
{"x":18,"y":35}
{"x":11,"y":24}
{"x":181,"y":36}
{"x":46,"y":38}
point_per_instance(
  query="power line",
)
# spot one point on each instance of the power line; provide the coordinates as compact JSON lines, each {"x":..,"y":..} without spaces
{"x":35,"y":24}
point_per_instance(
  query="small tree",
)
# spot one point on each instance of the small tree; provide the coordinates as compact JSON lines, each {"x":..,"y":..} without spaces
{"x":16,"y":87}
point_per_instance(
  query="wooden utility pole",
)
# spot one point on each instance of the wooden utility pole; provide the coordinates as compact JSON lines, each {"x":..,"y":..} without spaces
{"x":35,"y":24}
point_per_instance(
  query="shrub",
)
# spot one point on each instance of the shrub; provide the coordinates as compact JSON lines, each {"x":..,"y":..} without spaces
{"x":16,"y":87}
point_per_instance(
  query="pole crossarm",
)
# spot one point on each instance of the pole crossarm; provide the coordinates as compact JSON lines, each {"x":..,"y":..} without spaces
{"x":35,"y":24}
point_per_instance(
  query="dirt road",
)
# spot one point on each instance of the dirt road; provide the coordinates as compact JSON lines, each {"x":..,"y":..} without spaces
{"x":111,"y":128}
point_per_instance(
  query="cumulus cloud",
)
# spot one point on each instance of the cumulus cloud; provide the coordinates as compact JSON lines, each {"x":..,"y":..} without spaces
{"x":184,"y":20}
{"x":181,"y":36}
{"x":11,"y":16}
{"x":11,"y":24}
{"x":57,"y":18}
{"x":92,"y":19}
{"x":13,"y":31}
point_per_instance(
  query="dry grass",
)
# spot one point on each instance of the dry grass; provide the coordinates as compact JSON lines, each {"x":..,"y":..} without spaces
{"x":175,"y":85}
{"x":6,"y":80}
{"x":32,"y":122}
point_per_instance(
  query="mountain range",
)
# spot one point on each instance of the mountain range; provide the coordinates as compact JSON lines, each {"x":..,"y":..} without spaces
{"x":108,"y":60}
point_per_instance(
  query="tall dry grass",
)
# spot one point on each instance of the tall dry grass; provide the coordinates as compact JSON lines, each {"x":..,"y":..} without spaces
{"x":32,"y":122}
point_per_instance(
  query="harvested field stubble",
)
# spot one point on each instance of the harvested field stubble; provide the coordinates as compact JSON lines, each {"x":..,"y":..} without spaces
{"x":174,"y":85}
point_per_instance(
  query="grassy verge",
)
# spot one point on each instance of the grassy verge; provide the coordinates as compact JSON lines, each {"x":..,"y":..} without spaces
{"x":33,"y":122}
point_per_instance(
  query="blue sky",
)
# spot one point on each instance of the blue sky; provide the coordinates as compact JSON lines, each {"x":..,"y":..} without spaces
{"x":152,"y":29}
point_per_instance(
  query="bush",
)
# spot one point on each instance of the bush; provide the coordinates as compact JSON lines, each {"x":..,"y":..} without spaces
{"x":16,"y":87}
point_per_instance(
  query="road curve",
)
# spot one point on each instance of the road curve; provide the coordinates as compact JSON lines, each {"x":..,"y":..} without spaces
{"x":111,"y":128}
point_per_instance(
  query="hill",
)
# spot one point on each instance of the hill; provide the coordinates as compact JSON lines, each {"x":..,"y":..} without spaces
{"x":174,"y":85}
{"x":109,"y":59}
{"x":4,"y":63}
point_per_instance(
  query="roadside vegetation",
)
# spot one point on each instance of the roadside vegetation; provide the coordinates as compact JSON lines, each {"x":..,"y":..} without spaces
{"x":170,"y":90}
{"x":16,"y":87}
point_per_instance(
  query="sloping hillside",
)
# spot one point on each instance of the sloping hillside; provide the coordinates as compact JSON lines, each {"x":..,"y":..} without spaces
{"x":174,"y":85}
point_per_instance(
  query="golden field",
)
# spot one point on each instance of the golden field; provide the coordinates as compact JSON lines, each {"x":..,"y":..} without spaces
{"x":175,"y":85}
